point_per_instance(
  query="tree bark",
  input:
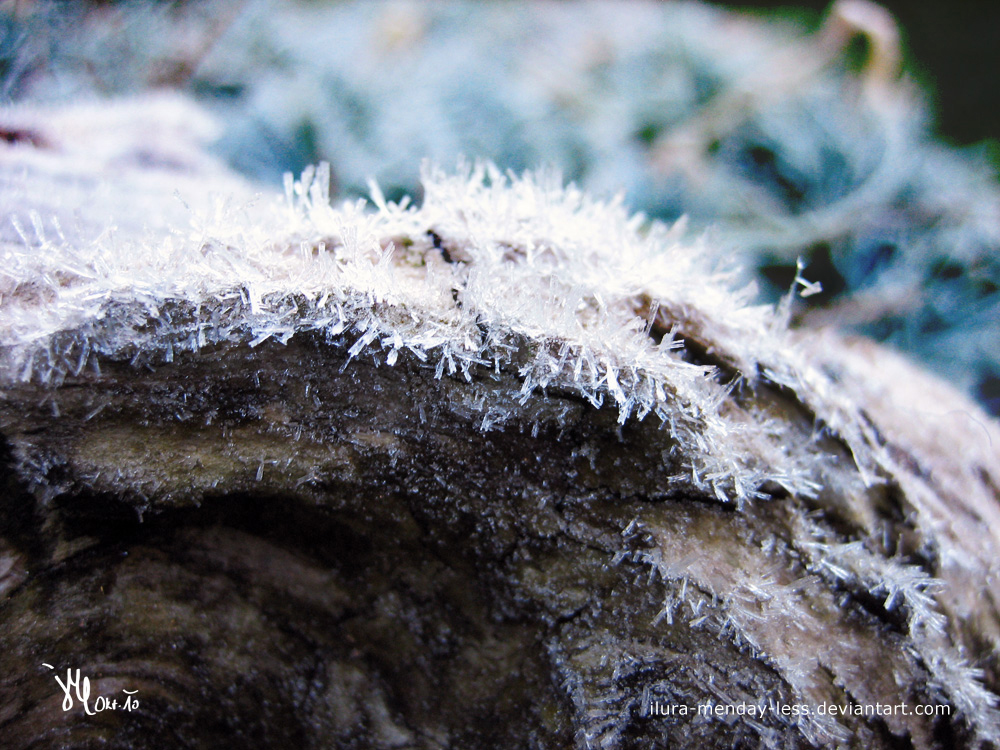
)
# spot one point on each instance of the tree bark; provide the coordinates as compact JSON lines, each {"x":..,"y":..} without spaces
{"x":290,"y":542}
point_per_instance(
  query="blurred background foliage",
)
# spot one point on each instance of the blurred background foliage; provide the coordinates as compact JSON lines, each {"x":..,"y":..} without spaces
{"x":950,"y":48}
{"x":786,"y":131}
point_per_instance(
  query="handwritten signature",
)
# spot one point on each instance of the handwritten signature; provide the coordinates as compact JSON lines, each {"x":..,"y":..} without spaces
{"x":81,"y":688}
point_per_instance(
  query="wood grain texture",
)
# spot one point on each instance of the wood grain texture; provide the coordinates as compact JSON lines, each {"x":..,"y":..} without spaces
{"x":287,"y":544}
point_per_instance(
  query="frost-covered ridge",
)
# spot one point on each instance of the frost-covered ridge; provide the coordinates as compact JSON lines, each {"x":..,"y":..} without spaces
{"x":888,"y":538}
{"x":491,"y":271}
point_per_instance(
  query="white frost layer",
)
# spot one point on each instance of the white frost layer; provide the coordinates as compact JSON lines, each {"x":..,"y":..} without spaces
{"x":490,"y":272}
{"x":524,"y":275}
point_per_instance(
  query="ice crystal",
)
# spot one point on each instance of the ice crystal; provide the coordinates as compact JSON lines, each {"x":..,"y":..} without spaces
{"x":910,"y":588}
{"x":498,"y":278}
{"x":687,"y":108}
{"x":491,"y":272}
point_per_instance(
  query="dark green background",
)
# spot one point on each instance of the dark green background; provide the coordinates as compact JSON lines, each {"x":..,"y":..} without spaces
{"x":952,"y":48}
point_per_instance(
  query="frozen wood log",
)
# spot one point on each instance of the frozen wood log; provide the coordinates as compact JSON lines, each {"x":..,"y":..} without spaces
{"x":507,"y":469}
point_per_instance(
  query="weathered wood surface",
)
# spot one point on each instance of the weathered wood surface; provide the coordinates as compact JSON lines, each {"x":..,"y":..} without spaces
{"x":289,"y":541}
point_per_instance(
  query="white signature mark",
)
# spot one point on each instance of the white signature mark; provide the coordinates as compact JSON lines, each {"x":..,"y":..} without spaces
{"x":81,"y":688}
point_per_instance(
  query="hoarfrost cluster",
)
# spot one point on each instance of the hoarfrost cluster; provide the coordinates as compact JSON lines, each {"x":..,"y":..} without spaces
{"x":496,"y":278}
{"x":754,"y":129}
{"x":490,"y":272}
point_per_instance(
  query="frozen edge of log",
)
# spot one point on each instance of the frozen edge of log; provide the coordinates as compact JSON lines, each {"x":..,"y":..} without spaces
{"x":816,"y":505}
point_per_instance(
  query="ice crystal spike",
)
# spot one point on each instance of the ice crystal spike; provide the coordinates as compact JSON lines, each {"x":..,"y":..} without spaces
{"x":563,"y":298}
{"x":689,"y":109}
{"x":491,"y":271}
{"x":489,"y":261}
